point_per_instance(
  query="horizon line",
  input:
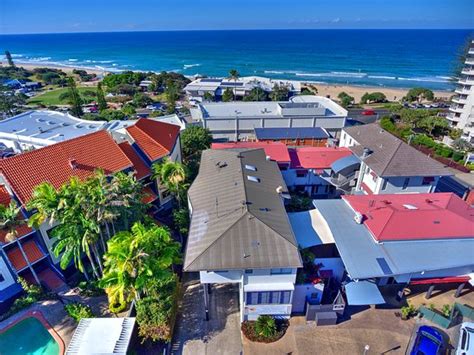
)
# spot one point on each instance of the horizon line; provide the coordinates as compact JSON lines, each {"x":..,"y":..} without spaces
{"x":241,"y":30}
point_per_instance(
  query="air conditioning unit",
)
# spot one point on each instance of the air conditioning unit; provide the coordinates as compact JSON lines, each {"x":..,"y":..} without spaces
{"x":358,"y":218}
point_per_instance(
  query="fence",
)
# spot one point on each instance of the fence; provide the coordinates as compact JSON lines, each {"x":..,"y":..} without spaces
{"x":458,"y":312}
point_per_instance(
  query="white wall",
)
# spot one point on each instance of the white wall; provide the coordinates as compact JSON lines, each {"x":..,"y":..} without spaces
{"x":300,"y":293}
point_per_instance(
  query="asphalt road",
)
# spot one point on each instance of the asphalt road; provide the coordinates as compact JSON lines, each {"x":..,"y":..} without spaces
{"x":355,"y":116}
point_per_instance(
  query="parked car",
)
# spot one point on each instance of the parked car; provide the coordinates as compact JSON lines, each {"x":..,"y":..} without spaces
{"x":466,"y":339}
{"x":428,"y":341}
{"x":368,"y":112}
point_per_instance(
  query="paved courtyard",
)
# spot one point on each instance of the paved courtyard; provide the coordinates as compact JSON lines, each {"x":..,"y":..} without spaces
{"x":378,"y":328}
{"x":221,"y":334}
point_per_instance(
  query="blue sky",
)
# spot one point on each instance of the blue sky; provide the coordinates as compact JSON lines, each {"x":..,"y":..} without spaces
{"x":44,"y":16}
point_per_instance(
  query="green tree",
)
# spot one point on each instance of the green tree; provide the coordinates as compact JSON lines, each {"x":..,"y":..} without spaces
{"x":279,"y":93}
{"x":74,"y":98}
{"x":256,"y":94}
{"x":208,"y":96}
{"x":172,"y":94}
{"x":10,"y":221}
{"x":345,"y":99}
{"x":10,"y":103}
{"x":129,"y":110}
{"x":374,"y":97}
{"x":433,"y":123}
{"x":172,"y":175}
{"x":234,"y":75}
{"x":228,"y":95}
{"x":9,"y":58}
{"x":419,"y":94}
{"x":136,"y":261}
{"x":141,"y":100}
{"x":101,"y":98}
{"x":194,"y":140}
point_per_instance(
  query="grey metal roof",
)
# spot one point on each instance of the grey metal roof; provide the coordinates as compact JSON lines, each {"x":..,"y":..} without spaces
{"x":291,"y":133}
{"x":238,"y":223}
{"x":364,"y":258}
{"x":391,"y":156}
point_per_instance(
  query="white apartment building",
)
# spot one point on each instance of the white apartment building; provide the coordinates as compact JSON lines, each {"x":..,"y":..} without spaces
{"x":461,"y":113}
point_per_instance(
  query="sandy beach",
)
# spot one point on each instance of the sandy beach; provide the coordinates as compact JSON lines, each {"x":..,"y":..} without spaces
{"x":331,"y":90}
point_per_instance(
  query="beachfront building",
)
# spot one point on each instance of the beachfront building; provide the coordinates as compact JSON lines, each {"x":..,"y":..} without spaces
{"x":306,"y":170}
{"x":387,"y":164}
{"x":461,"y":113}
{"x":294,"y":136}
{"x":234,"y":121}
{"x":240,"y":232}
{"x":241,"y":87}
{"x":30,"y":254}
{"x":389,"y":242}
{"x":40,"y":128}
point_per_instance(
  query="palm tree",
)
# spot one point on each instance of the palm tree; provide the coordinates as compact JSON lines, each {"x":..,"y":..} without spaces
{"x":137,"y":261}
{"x":173,"y":176}
{"x":233,"y":75}
{"x":9,"y":221}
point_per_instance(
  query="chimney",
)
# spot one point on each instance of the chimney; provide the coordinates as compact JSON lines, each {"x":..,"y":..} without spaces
{"x":73,"y":163}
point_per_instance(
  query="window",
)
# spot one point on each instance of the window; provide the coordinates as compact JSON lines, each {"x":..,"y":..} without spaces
{"x":301,"y":173}
{"x":281,"y":271}
{"x":268,"y":297}
{"x":249,"y":271}
{"x":2,"y":278}
{"x":384,"y":184}
{"x":405,"y":183}
{"x":427,"y":180}
{"x":253,"y":178}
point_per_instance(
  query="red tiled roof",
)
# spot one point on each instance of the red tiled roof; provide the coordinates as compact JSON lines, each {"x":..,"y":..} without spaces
{"x":156,"y":139}
{"x":316,"y":157}
{"x":22,"y":230}
{"x":275,"y":150}
{"x":142,"y":170}
{"x":414,"y":216}
{"x":148,"y":195}
{"x":56,"y":163}
{"x":32,"y":251}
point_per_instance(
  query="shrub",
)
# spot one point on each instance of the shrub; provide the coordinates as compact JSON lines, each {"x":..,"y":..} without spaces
{"x":446,"y":310}
{"x":387,"y":124}
{"x":265,"y":326}
{"x":408,"y":311}
{"x":77,"y":311}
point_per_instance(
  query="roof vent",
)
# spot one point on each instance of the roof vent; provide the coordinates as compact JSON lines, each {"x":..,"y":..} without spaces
{"x":410,"y":207}
{"x":366,"y":153}
{"x":73,"y":163}
{"x":436,"y":222}
{"x":221,"y":164}
{"x":264,"y":209}
{"x":267,"y":157}
{"x":358,"y":218}
{"x":279,"y":189}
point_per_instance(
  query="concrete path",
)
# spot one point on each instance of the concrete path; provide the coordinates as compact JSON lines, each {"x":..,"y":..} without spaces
{"x":221,"y":334}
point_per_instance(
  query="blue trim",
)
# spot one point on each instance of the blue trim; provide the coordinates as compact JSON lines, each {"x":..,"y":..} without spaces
{"x":10,"y":292}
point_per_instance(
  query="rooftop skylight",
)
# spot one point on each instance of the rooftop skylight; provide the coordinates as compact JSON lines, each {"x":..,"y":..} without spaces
{"x":250,"y":167}
{"x":253,"y":178}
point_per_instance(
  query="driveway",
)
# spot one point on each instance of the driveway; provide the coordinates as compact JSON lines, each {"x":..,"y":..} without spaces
{"x":378,"y":328}
{"x":221,"y":334}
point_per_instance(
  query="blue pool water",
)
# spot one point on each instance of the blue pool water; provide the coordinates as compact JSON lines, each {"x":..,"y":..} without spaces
{"x":397,"y":58}
{"x":28,"y":336}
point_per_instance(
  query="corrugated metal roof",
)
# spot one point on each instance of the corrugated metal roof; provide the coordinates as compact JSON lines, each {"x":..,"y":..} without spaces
{"x":391,"y":156}
{"x":344,"y":163}
{"x":238,"y":223}
{"x":102,"y":336}
{"x":359,"y":251}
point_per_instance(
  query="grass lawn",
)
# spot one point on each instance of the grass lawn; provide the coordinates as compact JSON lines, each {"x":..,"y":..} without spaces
{"x":51,"y":97}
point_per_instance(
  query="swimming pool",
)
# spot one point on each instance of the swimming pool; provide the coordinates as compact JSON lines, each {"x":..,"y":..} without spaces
{"x":29,"y":336}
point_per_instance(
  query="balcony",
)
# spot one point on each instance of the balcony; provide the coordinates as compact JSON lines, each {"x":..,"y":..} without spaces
{"x":467,"y":71}
{"x":462,"y":91}
{"x":456,"y":108}
{"x":458,"y":100}
{"x":450,"y":116}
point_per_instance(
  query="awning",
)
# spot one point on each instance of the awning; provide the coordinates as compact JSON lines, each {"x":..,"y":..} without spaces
{"x":346,"y":162}
{"x":363,"y":293}
{"x":280,"y":286}
{"x":309,"y":229}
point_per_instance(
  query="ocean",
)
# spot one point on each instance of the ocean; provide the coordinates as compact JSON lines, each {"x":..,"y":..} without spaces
{"x":392,"y":58}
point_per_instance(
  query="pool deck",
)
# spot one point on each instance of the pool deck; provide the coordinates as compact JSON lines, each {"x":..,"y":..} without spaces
{"x":29,"y":313}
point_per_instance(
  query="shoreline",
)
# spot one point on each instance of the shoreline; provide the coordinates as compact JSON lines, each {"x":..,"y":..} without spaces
{"x":324,"y":89}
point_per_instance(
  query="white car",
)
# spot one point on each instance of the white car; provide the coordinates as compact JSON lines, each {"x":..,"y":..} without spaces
{"x":466,"y":339}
